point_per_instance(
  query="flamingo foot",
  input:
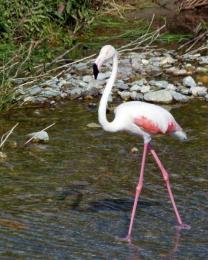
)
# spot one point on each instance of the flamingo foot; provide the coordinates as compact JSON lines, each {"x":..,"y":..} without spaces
{"x":125,"y":239}
{"x":183,"y":226}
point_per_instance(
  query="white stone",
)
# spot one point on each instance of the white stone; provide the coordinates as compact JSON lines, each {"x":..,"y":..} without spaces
{"x":160,"y":96}
{"x":135,"y":88}
{"x":179,"y":97}
{"x":145,"y":62}
{"x":199,"y":91}
{"x":87,"y":78}
{"x":145,"y":89}
{"x":41,"y":136}
{"x":189,"y":82}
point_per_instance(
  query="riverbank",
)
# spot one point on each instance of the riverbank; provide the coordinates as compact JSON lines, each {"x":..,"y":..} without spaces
{"x":153,"y":75}
{"x":37,"y":77}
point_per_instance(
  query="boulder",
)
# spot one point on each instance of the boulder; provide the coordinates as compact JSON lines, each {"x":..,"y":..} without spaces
{"x":160,"y":96}
{"x":179,"y":97}
{"x":189,"y":82}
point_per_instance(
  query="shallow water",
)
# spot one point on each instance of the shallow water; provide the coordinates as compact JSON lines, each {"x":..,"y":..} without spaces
{"x":71,"y":198}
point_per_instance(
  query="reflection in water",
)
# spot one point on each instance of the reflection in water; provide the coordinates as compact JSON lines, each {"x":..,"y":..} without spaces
{"x":71,"y":198}
{"x":136,"y":252}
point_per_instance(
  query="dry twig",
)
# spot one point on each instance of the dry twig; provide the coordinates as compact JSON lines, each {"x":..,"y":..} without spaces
{"x":7,"y":134}
{"x":29,"y":140}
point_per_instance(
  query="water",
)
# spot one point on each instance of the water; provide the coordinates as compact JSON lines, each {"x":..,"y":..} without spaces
{"x":71,"y":198}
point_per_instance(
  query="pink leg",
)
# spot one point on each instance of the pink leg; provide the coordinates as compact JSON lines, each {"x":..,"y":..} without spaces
{"x":166,"y":179}
{"x":138,"y":191}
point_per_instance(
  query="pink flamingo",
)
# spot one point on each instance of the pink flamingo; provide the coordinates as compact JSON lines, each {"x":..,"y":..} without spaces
{"x":139,"y":118}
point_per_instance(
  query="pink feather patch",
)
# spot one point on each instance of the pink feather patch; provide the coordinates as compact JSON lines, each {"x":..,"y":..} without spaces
{"x":148,"y":125}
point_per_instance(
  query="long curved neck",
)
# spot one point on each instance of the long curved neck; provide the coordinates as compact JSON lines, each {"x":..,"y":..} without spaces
{"x":108,"y":126}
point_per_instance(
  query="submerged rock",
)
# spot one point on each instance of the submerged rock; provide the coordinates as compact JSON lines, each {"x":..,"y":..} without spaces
{"x":41,"y":136}
{"x":93,"y":125}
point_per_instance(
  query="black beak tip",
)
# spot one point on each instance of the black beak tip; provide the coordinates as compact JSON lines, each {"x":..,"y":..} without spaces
{"x":95,"y":70}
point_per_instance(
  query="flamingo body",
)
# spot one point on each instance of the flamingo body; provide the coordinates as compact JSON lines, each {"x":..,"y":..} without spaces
{"x":145,"y":119}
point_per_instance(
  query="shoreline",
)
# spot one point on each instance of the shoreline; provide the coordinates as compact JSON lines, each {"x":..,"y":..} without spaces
{"x":157,"y":76}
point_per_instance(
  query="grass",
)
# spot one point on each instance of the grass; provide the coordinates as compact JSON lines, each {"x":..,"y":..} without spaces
{"x":170,"y":38}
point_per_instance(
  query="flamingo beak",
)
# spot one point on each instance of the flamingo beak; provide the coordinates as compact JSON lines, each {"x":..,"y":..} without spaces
{"x":95,"y":70}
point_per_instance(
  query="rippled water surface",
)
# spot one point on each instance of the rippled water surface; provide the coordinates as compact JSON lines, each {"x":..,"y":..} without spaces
{"x":71,"y":198}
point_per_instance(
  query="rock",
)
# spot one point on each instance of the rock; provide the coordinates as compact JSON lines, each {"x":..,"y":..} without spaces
{"x":52,"y":83}
{"x":125,"y":95}
{"x":64,"y":95}
{"x":145,"y":62}
{"x":3,"y":156}
{"x":185,"y":91}
{"x":125,"y":76}
{"x":177,"y":72}
{"x":199,"y":91}
{"x":179,"y":97}
{"x":103,"y":76}
{"x":87,"y":78}
{"x":34,"y":90}
{"x":160,"y":96}
{"x":167,"y":60}
{"x":80,"y":66}
{"x":93,"y":92}
{"x":121,"y":85}
{"x":75,"y":92}
{"x":135,"y":88}
{"x":171,"y":87}
{"x":159,"y":83}
{"x":189,"y":82}
{"x":49,"y":93}
{"x":189,"y":67}
{"x":136,"y":61}
{"x":202,"y":69}
{"x":190,"y":57}
{"x":19,"y":91}
{"x":80,"y":83}
{"x":203,"y":60}
{"x":41,"y":136}
{"x":140,"y":82}
{"x":145,"y":89}
{"x":93,"y":125}
{"x":206,"y":97}
{"x":136,"y":96}
{"x":34,"y":100}
{"x":134,"y":150}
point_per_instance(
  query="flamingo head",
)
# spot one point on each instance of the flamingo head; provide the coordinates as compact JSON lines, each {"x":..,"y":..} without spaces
{"x":106,"y":53}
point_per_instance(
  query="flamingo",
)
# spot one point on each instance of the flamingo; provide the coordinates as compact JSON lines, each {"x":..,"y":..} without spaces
{"x":139,"y":118}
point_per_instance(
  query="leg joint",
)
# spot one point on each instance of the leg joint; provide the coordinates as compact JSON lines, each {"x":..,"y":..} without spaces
{"x":139,"y":186}
{"x":166,"y":178}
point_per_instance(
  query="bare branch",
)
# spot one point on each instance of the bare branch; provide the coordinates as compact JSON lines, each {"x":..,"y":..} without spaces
{"x":7,"y":134}
{"x":29,"y":140}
